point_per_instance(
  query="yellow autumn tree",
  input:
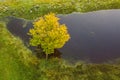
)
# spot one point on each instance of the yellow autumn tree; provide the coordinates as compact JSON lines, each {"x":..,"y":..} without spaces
{"x":48,"y":33}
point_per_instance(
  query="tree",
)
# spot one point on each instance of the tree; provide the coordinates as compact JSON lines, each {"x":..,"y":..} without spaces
{"x":48,"y":33}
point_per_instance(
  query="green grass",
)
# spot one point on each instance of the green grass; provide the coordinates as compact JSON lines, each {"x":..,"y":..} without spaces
{"x":58,"y":70}
{"x":17,"y":62}
{"x":94,"y":5}
{"x":31,"y":9}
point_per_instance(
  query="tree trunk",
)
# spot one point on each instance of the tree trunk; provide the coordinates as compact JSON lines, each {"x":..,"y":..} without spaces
{"x":46,"y":56}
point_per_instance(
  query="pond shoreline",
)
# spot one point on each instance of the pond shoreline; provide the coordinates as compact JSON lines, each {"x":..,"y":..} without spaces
{"x":91,"y":45}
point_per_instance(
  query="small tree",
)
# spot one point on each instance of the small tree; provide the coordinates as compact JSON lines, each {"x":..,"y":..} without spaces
{"x":48,"y":33}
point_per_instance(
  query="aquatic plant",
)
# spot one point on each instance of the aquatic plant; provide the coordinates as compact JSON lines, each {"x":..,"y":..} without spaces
{"x":48,"y":33}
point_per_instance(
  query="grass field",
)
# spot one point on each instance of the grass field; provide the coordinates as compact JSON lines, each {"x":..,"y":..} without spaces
{"x":17,"y":62}
{"x":31,"y":9}
{"x":15,"y":58}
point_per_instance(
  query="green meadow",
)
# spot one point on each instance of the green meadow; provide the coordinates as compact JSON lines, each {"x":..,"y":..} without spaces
{"x":17,"y":62}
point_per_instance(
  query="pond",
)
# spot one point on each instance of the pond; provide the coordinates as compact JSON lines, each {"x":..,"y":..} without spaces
{"x":95,"y":36}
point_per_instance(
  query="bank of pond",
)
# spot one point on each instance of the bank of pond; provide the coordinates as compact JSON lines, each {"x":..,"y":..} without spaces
{"x":17,"y":62}
{"x":92,"y":53}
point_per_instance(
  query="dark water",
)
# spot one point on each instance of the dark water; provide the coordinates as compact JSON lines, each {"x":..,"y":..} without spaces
{"x":19,"y":27}
{"x":95,"y":36}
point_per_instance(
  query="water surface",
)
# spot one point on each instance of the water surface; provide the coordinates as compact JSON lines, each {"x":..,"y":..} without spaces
{"x":95,"y":36}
